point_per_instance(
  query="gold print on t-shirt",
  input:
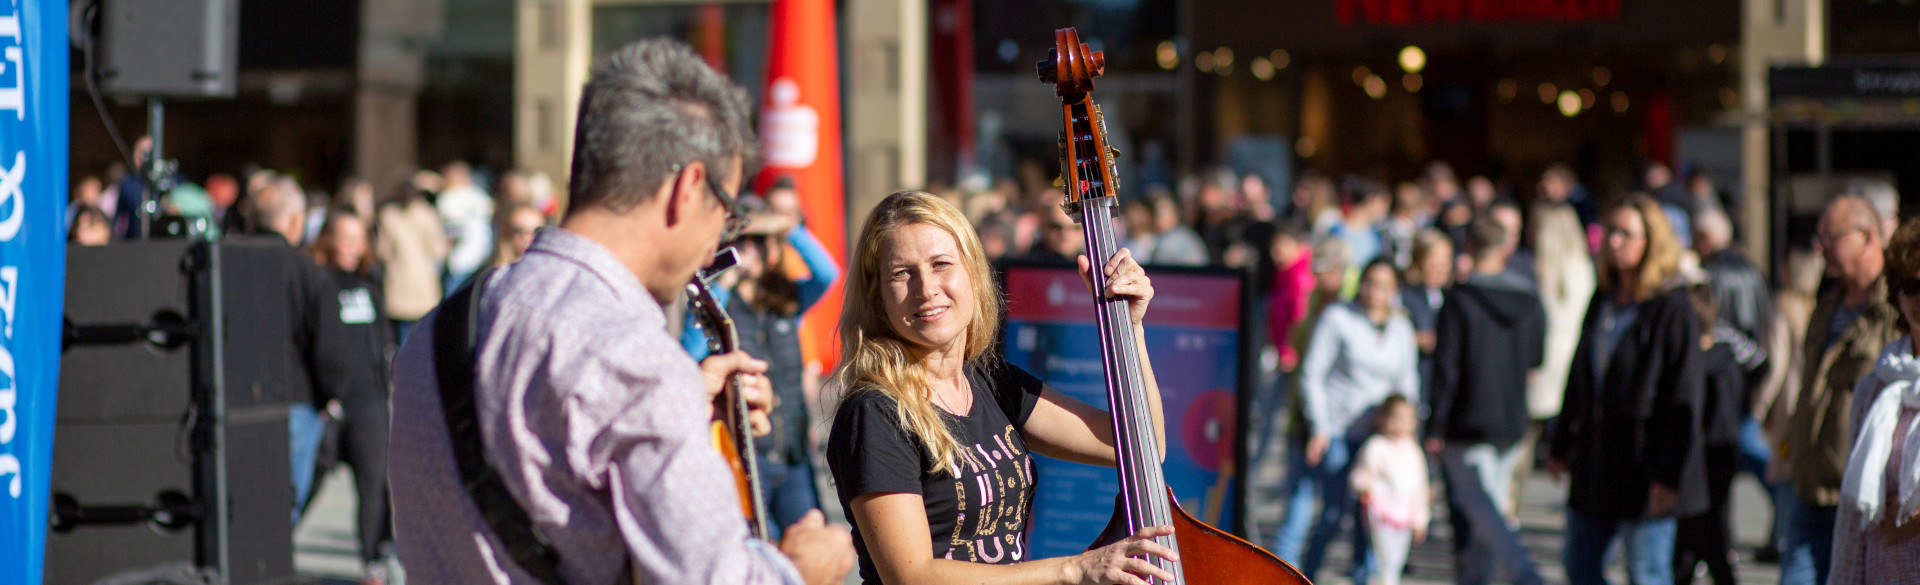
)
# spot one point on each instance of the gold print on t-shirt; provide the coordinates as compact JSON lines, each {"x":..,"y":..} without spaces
{"x":1016,"y":512}
{"x":960,"y":524}
{"x":1002,"y":495}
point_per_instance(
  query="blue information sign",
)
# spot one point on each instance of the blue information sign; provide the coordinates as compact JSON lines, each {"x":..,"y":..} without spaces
{"x":1195,"y":343}
{"x":33,"y":185}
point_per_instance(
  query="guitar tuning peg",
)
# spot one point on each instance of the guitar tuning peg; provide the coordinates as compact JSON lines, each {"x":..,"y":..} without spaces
{"x":1113,"y":152}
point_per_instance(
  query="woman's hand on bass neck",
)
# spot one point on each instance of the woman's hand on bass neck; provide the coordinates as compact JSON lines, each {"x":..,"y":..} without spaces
{"x":1115,"y":564}
{"x":1125,"y":279}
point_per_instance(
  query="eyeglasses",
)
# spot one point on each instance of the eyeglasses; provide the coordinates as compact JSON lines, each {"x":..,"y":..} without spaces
{"x":736,"y":217}
{"x":1905,"y":285}
{"x":1624,"y":233}
{"x":1828,"y":240}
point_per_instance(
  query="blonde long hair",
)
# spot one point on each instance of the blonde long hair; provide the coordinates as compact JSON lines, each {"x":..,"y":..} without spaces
{"x":1560,"y":245}
{"x":1660,"y":262}
{"x":874,"y":358}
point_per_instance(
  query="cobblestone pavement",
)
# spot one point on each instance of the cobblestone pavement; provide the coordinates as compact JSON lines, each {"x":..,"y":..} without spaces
{"x":325,"y":544}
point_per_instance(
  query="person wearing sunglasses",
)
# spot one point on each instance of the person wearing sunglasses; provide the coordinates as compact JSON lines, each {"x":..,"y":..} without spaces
{"x":591,"y":425}
{"x":516,"y":224}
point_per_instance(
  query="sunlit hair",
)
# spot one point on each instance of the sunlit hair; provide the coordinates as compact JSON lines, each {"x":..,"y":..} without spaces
{"x":321,"y":249}
{"x":1389,"y":407}
{"x":1559,"y":246}
{"x":1425,"y":244}
{"x":875,"y":358}
{"x":1660,"y":262}
{"x":1903,"y":261}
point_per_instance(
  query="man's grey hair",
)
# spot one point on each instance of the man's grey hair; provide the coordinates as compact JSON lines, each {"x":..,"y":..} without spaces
{"x":279,"y":200}
{"x":1879,"y":194}
{"x":648,"y":108}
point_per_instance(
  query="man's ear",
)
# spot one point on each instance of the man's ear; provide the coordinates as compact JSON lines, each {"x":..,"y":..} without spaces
{"x":679,"y":192}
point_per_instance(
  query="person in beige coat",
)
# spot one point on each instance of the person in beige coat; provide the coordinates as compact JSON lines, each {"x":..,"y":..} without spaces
{"x":1567,"y":282}
{"x":413,"y":245}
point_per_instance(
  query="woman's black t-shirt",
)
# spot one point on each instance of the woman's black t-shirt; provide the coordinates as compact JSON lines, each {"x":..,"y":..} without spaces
{"x":979,"y":516}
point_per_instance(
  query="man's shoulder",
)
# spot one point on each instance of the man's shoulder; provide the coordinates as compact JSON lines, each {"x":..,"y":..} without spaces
{"x":559,"y":314}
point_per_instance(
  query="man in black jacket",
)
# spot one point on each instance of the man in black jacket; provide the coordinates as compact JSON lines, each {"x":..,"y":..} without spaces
{"x":317,"y":354}
{"x":1491,"y":331}
{"x":1738,"y":287}
{"x":1740,"y":293}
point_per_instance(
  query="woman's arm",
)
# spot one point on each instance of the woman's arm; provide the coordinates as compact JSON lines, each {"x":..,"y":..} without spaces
{"x":822,"y":270}
{"x":894,"y":528}
{"x":1065,"y":428}
{"x":1409,"y":384}
{"x":1323,"y":348}
{"x":1153,"y":390}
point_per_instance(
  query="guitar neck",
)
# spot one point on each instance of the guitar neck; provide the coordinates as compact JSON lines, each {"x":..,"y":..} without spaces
{"x":730,"y":408}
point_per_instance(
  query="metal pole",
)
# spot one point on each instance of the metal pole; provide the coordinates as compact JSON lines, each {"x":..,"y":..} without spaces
{"x":150,"y":196}
{"x":1185,"y":98}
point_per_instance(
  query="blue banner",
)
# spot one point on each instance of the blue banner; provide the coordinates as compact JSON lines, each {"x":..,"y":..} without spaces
{"x":33,"y":253}
{"x":1195,"y":344}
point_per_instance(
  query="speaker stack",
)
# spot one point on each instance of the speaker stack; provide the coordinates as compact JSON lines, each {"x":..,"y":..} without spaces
{"x":170,"y":438}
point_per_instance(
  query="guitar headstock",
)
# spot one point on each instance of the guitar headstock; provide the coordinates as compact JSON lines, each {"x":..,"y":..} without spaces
{"x":704,"y":307}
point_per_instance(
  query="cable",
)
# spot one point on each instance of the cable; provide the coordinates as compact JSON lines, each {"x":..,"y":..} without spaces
{"x":92,"y":12}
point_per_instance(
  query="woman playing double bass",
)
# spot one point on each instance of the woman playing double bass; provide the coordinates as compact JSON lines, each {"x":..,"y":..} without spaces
{"x":931,"y":446}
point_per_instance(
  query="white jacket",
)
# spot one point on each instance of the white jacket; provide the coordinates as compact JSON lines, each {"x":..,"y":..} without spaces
{"x":1567,"y":283}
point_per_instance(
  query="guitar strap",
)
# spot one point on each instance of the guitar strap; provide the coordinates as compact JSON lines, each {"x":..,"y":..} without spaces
{"x":455,"y":340}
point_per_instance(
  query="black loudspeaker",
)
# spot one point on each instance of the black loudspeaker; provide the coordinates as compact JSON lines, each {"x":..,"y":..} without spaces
{"x":170,"y":47}
{"x":157,"y":459}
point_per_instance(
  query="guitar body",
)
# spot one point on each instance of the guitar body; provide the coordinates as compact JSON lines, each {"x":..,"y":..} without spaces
{"x":723,"y":442}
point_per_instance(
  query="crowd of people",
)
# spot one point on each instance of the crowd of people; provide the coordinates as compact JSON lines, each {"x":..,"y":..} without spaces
{"x":1624,"y":343}
{"x":371,"y":263}
{"x":1489,"y":326}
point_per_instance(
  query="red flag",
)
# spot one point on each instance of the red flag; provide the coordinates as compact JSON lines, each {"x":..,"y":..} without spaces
{"x":800,"y":130}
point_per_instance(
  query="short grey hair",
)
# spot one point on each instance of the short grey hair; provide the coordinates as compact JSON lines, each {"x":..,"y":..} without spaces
{"x":1712,"y":227}
{"x":1881,"y":195}
{"x":649,"y":108}
{"x":279,"y":200}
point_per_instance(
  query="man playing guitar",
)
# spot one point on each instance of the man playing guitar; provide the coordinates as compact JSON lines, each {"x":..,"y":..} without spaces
{"x":590,"y":415}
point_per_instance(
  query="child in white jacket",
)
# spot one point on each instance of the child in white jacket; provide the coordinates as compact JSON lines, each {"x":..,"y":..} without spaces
{"x":1390,"y":478}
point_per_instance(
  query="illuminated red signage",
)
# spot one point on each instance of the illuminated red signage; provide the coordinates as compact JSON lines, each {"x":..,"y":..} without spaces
{"x":1406,"y":12}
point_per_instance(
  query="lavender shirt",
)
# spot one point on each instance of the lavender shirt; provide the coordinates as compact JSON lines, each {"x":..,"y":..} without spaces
{"x":597,"y":422}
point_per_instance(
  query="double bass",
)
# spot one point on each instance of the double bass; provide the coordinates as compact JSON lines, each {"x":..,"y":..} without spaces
{"x":1208,"y":555}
